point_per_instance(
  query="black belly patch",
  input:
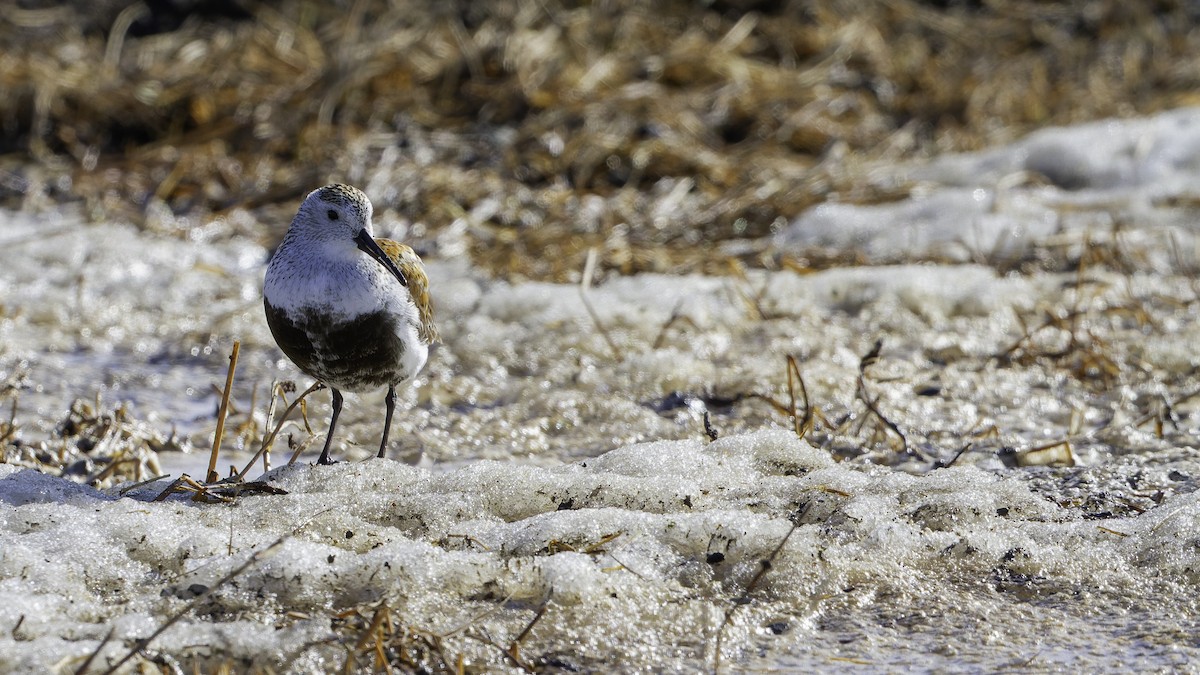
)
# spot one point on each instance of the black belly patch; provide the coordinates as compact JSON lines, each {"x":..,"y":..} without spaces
{"x":356,"y":355}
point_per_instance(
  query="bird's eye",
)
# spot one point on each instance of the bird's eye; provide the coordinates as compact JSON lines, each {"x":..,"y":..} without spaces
{"x":333,"y":215}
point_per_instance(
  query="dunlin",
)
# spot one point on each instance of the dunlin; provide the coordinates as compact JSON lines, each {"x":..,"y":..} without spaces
{"x":350,"y":310}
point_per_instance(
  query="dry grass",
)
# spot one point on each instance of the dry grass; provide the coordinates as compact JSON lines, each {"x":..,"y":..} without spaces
{"x":548,"y":129}
{"x":91,"y":445}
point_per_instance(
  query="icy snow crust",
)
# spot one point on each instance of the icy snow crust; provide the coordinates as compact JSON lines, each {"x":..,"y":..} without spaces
{"x":1000,"y":203}
{"x":544,"y":473}
{"x":957,"y":567}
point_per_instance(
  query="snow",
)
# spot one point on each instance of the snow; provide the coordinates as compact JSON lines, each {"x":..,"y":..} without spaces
{"x":628,"y":562}
{"x":562,"y":502}
{"x":996,"y":203}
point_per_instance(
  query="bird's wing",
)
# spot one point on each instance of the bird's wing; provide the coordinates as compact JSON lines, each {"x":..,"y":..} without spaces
{"x":418,"y":284}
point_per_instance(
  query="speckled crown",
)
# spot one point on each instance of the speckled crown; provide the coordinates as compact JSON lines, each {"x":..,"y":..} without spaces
{"x":340,"y":194}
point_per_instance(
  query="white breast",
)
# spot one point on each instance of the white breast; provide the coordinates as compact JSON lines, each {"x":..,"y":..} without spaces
{"x":345,"y":287}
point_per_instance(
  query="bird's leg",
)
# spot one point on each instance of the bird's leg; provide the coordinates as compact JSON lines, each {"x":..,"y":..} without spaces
{"x":337,"y":410}
{"x":390,"y":402}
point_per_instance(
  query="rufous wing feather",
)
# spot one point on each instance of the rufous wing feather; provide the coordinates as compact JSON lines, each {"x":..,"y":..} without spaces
{"x":418,"y":284}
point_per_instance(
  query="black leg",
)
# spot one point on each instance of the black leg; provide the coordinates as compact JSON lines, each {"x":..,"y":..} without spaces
{"x":337,"y":410}
{"x":390,"y":401}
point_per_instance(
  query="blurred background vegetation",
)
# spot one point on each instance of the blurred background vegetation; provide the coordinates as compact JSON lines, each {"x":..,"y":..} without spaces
{"x":671,"y":135}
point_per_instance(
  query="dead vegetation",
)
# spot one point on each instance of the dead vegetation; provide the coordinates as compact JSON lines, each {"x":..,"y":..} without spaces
{"x":217,"y":489}
{"x":93,"y":445}
{"x":548,"y":129}
{"x":103,"y":448}
{"x":1085,"y":342}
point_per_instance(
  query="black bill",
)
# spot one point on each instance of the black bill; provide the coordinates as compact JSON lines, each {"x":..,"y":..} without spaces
{"x":367,"y":245}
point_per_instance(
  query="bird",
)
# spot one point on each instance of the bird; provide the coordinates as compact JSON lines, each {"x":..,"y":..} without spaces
{"x":350,"y":310}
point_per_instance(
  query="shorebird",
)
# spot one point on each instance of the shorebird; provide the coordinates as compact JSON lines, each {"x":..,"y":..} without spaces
{"x":349,"y":310}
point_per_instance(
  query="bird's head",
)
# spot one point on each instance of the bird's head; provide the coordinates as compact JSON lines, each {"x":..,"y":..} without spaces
{"x":339,"y":216}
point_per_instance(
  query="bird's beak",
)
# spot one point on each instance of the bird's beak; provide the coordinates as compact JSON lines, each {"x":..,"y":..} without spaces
{"x":367,"y":245}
